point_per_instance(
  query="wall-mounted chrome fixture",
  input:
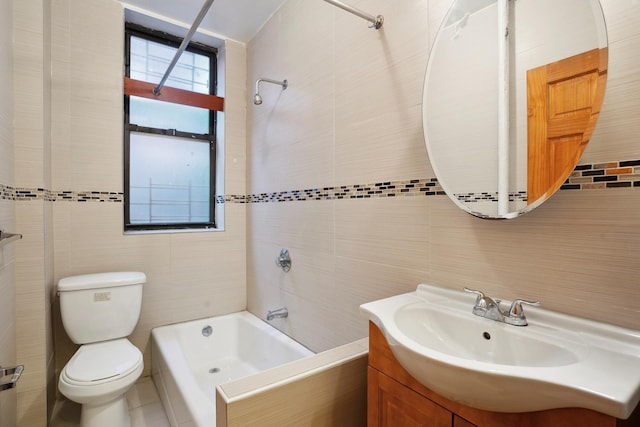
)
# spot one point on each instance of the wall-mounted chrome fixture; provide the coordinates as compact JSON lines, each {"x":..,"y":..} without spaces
{"x":8,"y":237}
{"x":284,"y":261}
{"x":257,"y":99}
{"x":185,"y":42}
{"x":281,"y":312}
{"x":376,"y":21}
{"x":15,"y":372}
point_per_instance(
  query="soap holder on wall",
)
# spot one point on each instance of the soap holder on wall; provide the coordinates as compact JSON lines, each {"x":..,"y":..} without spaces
{"x":8,"y":237}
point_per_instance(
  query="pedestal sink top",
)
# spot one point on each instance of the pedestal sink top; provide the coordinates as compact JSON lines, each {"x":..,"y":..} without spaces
{"x":556,"y":361}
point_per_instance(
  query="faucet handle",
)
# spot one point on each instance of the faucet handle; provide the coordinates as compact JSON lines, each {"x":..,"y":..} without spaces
{"x":516,"y":306}
{"x":473,"y":291}
{"x":482,"y":299}
{"x":486,"y":306}
{"x":516,"y":312}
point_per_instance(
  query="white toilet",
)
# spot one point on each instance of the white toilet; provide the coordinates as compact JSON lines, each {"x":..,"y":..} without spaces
{"x":99,"y":311}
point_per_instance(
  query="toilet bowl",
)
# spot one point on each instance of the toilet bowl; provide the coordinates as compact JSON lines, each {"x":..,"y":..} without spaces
{"x":98,"y":376}
{"x":99,"y":311}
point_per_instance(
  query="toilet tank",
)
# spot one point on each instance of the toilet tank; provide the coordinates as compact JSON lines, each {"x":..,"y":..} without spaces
{"x":102,"y":306}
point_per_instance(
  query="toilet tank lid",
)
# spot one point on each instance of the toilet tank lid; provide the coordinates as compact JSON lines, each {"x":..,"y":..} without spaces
{"x":101,"y":280}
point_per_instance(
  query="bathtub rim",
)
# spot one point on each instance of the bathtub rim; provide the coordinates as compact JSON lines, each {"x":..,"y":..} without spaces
{"x":289,"y":372}
{"x":155,"y":331}
{"x":195,"y":403}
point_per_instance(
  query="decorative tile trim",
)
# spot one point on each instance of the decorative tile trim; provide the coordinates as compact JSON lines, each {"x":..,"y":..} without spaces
{"x":22,"y":193}
{"x":620,"y":174}
{"x":519,"y":196}
{"x":88,"y":196}
{"x":7,"y":192}
{"x":617,"y":174}
{"x":414,"y":187}
{"x":233,"y":198}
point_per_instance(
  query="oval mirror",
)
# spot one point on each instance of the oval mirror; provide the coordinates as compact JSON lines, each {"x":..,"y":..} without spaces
{"x":512,"y":93}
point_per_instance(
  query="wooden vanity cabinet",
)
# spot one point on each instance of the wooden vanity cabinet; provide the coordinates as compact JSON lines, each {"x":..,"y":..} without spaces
{"x":398,"y":405}
{"x":396,"y":399}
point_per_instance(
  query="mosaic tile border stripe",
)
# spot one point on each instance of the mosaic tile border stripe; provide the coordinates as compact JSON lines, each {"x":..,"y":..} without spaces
{"x":88,"y":196}
{"x":519,"y":196}
{"x":21,"y":193}
{"x":7,"y":193}
{"x":617,"y":174}
{"x":622,"y":174}
{"x":413,"y":187}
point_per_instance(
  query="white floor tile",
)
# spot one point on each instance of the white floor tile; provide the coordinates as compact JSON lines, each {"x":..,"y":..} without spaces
{"x":145,"y":408}
{"x":149,"y":415}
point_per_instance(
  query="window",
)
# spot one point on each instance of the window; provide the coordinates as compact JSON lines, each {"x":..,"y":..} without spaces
{"x":170,"y":149}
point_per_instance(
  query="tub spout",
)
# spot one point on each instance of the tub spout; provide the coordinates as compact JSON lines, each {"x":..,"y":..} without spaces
{"x":280,"y":312}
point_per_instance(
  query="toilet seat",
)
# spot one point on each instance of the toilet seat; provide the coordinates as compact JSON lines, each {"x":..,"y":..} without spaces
{"x":102,"y":362}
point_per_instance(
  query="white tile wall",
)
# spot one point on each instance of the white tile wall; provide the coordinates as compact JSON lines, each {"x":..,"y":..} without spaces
{"x":576,"y":251}
{"x":190,"y":275}
{"x":234,"y":116}
{"x":8,"y":399}
{"x":32,"y":169}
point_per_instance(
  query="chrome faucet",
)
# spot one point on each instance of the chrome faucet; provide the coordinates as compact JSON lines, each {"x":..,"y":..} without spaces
{"x":279,"y":312}
{"x":488,"y":307}
{"x":284,"y":260}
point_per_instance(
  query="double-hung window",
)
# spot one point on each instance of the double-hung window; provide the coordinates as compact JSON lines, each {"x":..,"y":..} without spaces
{"x":169,"y":145}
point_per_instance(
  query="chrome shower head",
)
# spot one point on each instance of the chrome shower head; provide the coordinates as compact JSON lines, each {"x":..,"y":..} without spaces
{"x":257,"y":99}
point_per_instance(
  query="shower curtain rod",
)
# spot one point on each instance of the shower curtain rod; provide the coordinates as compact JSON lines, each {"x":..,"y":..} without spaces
{"x":376,"y":21}
{"x":196,"y":23}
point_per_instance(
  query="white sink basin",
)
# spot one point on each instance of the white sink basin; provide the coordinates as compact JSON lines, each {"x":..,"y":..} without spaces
{"x":456,"y":334}
{"x":556,"y":361}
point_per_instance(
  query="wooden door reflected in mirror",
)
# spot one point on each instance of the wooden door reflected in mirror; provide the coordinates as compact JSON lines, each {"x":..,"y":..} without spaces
{"x":563,"y":104}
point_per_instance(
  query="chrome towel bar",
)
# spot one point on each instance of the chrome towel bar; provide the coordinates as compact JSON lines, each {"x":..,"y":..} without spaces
{"x":15,"y":372}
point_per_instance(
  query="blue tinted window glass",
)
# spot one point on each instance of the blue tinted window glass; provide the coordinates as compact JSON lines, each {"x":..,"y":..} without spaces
{"x":168,"y":180}
{"x":166,"y":115}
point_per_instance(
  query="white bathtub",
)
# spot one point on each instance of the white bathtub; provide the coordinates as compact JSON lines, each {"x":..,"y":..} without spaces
{"x":187,"y":366}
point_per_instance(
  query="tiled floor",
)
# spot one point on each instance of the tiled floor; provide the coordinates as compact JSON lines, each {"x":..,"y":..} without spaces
{"x":144,"y":406}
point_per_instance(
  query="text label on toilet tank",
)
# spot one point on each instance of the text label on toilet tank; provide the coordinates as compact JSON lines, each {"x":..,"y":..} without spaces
{"x":101,"y":296}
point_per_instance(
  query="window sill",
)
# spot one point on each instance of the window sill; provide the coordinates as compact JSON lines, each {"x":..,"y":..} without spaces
{"x":172,"y":231}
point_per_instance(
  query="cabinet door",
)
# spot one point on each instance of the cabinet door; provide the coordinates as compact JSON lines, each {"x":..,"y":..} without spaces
{"x":395,"y":405}
{"x":461,"y":422}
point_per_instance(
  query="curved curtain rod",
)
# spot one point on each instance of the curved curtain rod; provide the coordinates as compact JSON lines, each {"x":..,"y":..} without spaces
{"x":376,"y":21}
{"x":196,"y":23}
